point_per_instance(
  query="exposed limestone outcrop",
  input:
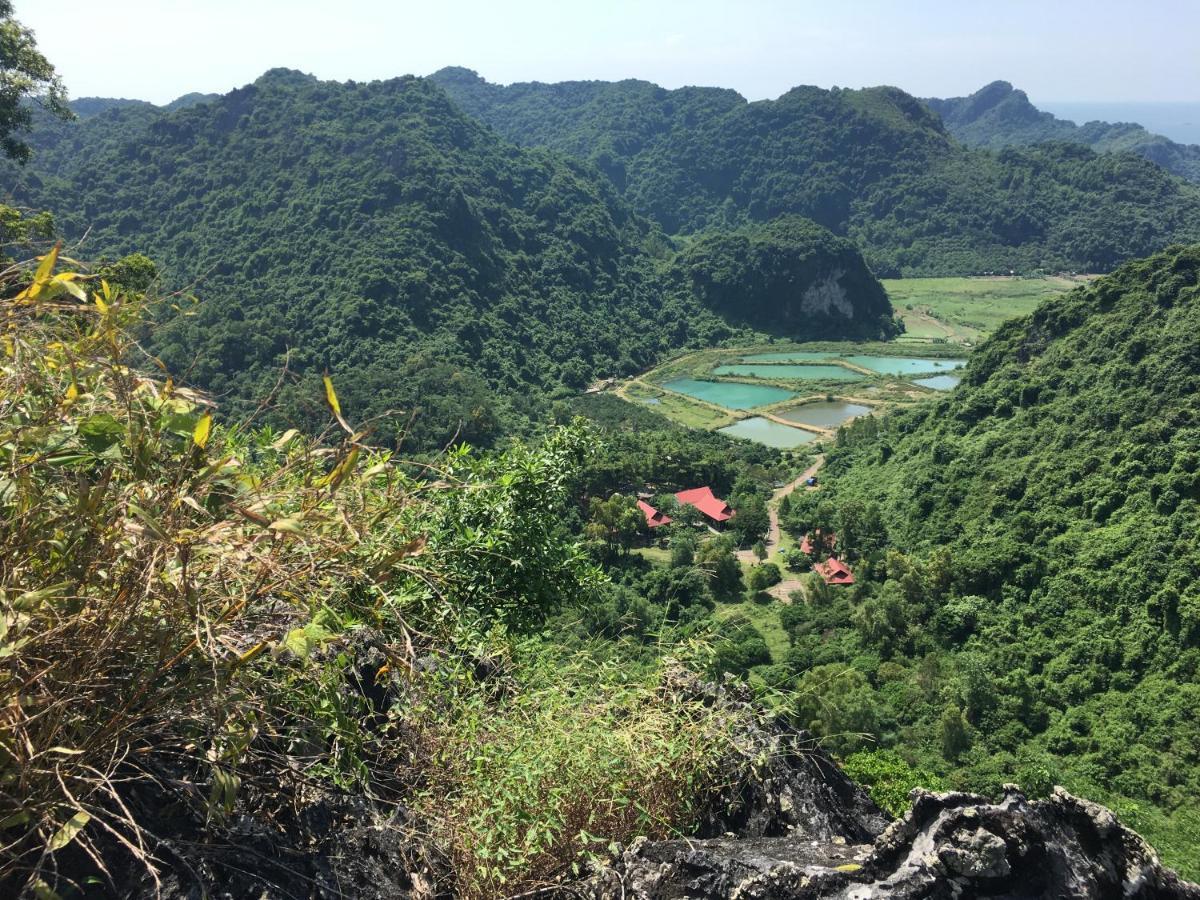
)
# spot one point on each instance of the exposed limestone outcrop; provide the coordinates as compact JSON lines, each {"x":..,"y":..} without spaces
{"x":779,"y":781}
{"x":789,"y":826}
{"x":948,"y":845}
{"x":827,"y":297}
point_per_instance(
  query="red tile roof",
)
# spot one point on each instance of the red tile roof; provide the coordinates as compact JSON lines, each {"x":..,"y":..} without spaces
{"x":654,"y":519}
{"x":834,"y":571}
{"x":703,"y":499}
{"x":827,"y":543}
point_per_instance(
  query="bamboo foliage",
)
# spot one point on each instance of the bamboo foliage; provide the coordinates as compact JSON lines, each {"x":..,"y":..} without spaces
{"x":149,"y":560}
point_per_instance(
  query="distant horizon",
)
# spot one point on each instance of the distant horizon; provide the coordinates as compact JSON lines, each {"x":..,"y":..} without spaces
{"x":1040,"y":103}
{"x":1085,"y":51}
{"x":1178,"y":120}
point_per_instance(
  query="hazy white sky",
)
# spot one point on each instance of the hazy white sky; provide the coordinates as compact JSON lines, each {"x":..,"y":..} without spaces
{"x":1054,"y":49}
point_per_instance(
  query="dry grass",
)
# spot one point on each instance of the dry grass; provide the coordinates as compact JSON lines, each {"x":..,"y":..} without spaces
{"x":145,"y":566}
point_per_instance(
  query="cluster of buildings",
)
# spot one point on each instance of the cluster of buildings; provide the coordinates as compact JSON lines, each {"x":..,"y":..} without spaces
{"x":715,"y":510}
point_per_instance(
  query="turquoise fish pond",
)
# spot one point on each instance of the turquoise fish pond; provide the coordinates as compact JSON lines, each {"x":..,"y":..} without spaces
{"x":825,"y":414}
{"x":789,"y":373}
{"x":904,"y":365}
{"x":939,"y":382}
{"x":756,"y":428}
{"x":794,"y":356}
{"x":729,"y":394}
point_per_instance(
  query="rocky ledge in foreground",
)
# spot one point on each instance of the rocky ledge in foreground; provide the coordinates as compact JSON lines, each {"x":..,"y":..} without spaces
{"x":947,"y":845}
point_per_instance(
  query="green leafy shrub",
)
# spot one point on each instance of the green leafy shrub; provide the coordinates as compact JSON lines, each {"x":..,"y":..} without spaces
{"x":526,"y":789}
{"x":763,"y":576}
{"x":889,"y":778}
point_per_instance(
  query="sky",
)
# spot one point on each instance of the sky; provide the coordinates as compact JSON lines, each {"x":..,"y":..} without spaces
{"x":1056,"y":50}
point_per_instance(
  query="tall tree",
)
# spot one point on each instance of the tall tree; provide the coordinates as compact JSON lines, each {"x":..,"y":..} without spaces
{"x":25,"y":75}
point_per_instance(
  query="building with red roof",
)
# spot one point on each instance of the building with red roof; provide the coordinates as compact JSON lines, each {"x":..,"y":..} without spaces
{"x":834,"y":571}
{"x":654,"y":518}
{"x":715,"y":509}
{"x":814,"y":542}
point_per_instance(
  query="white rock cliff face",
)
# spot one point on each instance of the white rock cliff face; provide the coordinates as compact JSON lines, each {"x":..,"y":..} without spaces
{"x":827,"y":297}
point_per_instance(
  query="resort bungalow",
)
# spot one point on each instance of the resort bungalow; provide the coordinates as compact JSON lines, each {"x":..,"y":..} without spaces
{"x":654,"y":519}
{"x":717,"y":511}
{"x":834,"y":571}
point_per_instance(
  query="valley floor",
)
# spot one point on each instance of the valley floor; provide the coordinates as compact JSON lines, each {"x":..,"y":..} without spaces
{"x":944,"y":318}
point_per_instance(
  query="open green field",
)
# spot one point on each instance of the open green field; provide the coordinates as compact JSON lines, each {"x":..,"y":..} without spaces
{"x":962,"y":310}
{"x":765,"y":618}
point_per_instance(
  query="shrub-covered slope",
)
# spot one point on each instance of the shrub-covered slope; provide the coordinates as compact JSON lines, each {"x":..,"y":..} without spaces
{"x":374,"y":230}
{"x":998,"y":115}
{"x":1063,"y":477}
{"x":872,"y":164}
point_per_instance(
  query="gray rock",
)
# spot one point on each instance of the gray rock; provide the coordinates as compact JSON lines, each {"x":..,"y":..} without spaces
{"x":947,"y":845}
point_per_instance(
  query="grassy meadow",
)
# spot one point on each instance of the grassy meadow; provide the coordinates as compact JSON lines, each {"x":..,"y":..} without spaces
{"x":963,"y":310}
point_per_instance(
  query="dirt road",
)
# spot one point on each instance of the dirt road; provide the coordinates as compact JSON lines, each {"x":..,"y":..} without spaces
{"x":771,"y":541}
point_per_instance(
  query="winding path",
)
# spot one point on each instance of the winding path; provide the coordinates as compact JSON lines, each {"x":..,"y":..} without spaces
{"x":771,"y":541}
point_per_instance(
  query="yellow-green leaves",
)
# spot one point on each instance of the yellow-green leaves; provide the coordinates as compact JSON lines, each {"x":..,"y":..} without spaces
{"x":332,"y":399}
{"x":223,"y":794}
{"x":344,"y":468}
{"x":68,"y":831}
{"x":149,"y":521}
{"x":32,"y":599}
{"x":104,"y":298}
{"x":67,"y":282}
{"x":43,"y":891}
{"x":202,"y":430}
{"x":331,"y":396}
{"x":284,"y":439}
{"x":46,"y":285}
{"x":41,"y":277}
{"x":301,"y":642}
{"x":290,"y":524}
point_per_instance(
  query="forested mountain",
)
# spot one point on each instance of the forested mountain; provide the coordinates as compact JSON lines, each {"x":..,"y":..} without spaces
{"x":1049,"y":510}
{"x":789,"y":275}
{"x":874,"y":165}
{"x":375,"y":230}
{"x":998,"y":115}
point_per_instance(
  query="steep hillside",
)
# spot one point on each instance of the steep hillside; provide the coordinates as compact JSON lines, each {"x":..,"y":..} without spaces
{"x":998,"y":115}
{"x":374,"y":230}
{"x":370,"y":229}
{"x":874,"y":165}
{"x":1046,"y":620}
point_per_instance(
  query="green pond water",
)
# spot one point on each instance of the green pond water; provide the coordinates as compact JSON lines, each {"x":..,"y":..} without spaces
{"x":794,"y":356}
{"x":825,"y":414}
{"x":729,"y":394}
{"x":767,"y":432}
{"x":939,"y":382}
{"x":904,"y":365}
{"x":787,"y":373}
